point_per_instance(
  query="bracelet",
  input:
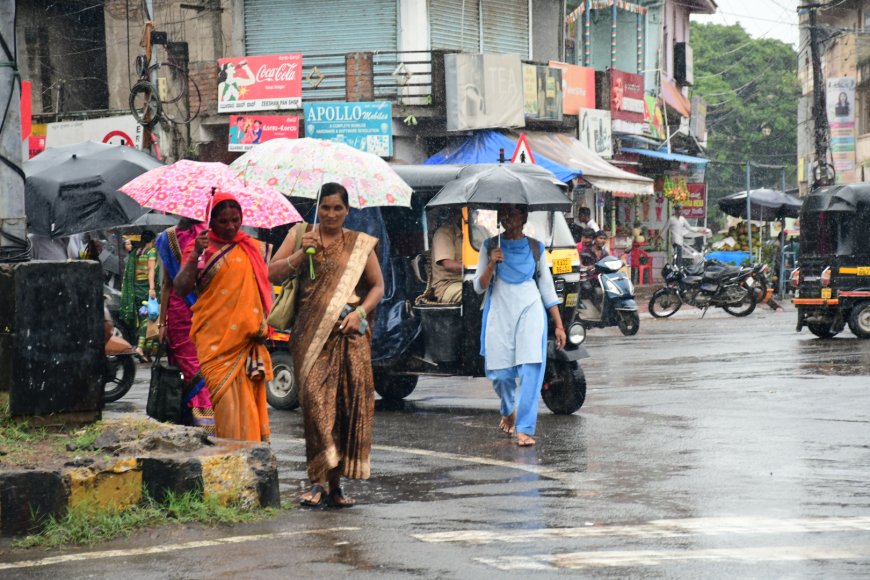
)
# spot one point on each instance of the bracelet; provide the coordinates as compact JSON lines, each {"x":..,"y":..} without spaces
{"x":159,"y":325}
{"x":562,"y":328}
{"x":294,"y":270}
{"x":361,"y":312}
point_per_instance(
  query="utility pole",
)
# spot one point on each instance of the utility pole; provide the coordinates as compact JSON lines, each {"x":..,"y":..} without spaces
{"x":820,"y":114}
{"x":13,"y":238}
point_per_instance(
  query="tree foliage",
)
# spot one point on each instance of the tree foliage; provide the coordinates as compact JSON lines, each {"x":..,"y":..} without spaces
{"x":749,"y":84}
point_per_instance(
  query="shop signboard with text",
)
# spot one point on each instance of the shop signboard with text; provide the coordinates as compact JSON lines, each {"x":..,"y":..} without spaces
{"x":260,"y":83}
{"x":626,"y":102}
{"x":542,"y":93}
{"x":364,"y":126}
{"x":249,"y":130}
{"x":695,"y":207}
{"x":841,"y":119}
{"x":593,"y":130}
{"x":122,"y":130}
{"x":578,"y":87}
{"x":483,"y":91}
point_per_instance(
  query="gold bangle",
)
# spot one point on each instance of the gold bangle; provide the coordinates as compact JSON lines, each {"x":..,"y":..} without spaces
{"x":361,"y":312}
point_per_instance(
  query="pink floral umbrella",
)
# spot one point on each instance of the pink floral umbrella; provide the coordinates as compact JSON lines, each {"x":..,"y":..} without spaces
{"x":185,"y":188}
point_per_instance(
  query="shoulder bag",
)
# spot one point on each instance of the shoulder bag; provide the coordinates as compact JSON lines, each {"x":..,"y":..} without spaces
{"x":166,"y":393}
{"x":284,"y":309}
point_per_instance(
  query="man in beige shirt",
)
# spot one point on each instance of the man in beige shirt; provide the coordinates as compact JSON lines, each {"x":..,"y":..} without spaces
{"x":447,"y":261}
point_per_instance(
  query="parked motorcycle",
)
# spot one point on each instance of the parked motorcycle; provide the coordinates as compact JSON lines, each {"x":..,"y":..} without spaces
{"x":611,"y":302}
{"x":729,"y":288}
{"x":120,"y":368}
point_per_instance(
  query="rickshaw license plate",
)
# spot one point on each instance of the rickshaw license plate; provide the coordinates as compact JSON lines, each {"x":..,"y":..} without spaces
{"x":561,"y":265}
{"x":826,"y":293}
{"x":863,"y":270}
{"x":571,"y":300}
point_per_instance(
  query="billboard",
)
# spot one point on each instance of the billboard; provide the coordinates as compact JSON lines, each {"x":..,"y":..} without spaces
{"x":364,"y":126}
{"x":542,"y":93}
{"x":695,"y":207}
{"x":260,"y":83}
{"x":626,"y":102}
{"x":123,"y":130}
{"x":483,"y":91}
{"x":578,"y":87}
{"x":593,"y":128}
{"x":249,"y":130}
{"x":840,"y":95}
{"x":652,"y":116}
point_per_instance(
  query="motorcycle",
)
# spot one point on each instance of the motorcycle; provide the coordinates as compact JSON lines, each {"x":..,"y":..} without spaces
{"x":712,"y":285}
{"x":120,"y":367}
{"x":615,"y":305}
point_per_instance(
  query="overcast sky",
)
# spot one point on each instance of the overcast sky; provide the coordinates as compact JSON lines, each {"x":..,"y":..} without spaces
{"x":760,"y":18}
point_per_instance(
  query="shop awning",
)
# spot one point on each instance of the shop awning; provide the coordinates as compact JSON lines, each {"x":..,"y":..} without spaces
{"x":675,"y":99}
{"x":483,"y":147}
{"x":572,"y":153}
{"x":665,"y":155}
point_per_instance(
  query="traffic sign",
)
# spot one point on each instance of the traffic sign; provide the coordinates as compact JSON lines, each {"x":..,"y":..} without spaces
{"x":523,"y":152}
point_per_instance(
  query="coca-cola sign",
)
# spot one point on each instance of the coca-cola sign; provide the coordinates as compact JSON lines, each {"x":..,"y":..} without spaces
{"x":260,"y":83}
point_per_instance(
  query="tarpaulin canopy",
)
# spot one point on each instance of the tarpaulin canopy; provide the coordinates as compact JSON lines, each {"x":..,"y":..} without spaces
{"x":665,"y":155}
{"x":572,"y":153}
{"x":483,"y":147}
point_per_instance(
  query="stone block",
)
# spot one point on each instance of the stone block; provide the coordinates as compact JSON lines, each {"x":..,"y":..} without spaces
{"x":160,"y":476}
{"x":117,"y":486}
{"x":28,"y":499}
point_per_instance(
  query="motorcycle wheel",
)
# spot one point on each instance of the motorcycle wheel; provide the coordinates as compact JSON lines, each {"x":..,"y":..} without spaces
{"x":664,"y":302}
{"x":392,"y":386}
{"x":744,"y":307}
{"x":859,"y":320}
{"x":282,"y":392}
{"x":628,"y":322}
{"x":564,"y":390}
{"x":120,"y":373}
{"x":822,"y":330}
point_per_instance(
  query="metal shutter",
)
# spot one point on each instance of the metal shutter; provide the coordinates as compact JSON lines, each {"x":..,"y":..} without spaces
{"x":506,"y":26}
{"x":455,"y":24}
{"x":320,"y":26}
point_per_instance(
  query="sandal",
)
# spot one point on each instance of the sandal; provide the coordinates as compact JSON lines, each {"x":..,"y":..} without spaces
{"x":317,"y":490}
{"x":524,"y":440}
{"x":337,"y":499}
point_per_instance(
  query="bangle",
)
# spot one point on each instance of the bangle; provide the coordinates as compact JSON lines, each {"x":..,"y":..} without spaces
{"x":562,"y":328}
{"x":161,"y":325}
{"x":361,"y":312}
{"x":293,"y":270}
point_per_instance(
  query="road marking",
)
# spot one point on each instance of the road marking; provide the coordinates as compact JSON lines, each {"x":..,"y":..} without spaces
{"x":635,"y":558}
{"x":162,"y":549}
{"x":658,"y":529}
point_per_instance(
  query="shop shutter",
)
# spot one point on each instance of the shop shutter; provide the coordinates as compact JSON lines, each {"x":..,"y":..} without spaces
{"x":506,"y":26}
{"x":320,"y":26}
{"x":449,"y":29}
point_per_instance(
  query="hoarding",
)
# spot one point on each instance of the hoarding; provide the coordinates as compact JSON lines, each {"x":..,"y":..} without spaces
{"x":364,"y":126}
{"x":593,"y":130}
{"x":652,"y":116}
{"x":249,"y":130}
{"x":260,"y":83}
{"x":483,"y":91}
{"x":578,"y":87}
{"x":542,"y":93}
{"x":841,"y":119}
{"x":123,"y":130}
{"x":696,"y":206}
{"x":626,"y":102}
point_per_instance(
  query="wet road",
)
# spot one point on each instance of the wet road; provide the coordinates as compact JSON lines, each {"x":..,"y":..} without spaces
{"x":713,"y":448}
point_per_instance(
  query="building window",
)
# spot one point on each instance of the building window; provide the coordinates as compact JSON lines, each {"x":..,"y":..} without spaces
{"x":866,"y":20}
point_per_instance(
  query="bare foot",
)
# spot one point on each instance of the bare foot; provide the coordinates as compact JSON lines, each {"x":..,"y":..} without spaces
{"x":507,"y":424}
{"x":524,"y":440}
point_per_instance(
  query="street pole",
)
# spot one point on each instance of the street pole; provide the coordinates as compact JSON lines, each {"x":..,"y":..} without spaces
{"x":13,"y":223}
{"x":820,"y":115}
{"x":748,"y":210}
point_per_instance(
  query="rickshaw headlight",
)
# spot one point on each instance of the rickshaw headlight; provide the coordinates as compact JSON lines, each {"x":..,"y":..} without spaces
{"x":576,"y":334}
{"x":826,"y":276}
{"x":796,"y":277}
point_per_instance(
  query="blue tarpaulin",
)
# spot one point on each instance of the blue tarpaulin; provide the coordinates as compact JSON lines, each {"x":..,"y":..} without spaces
{"x":483,"y":147}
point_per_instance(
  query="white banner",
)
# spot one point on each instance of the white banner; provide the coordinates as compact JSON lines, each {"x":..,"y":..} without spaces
{"x":123,"y":130}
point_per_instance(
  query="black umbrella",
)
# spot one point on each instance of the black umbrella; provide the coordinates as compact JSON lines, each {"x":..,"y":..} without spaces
{"x":69,"y":192}
{"x":488,"y":186}
{"x":765,"y":205}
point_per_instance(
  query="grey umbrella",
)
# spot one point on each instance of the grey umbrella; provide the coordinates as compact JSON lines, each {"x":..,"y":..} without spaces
{"x":765,"y":205}
{"x":490,"y":185}
{"x":69,"y":192}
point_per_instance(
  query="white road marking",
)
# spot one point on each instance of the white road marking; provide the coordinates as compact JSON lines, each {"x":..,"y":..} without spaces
{"x":635,"y":558}
{"x":658,"y":529}
{"x":162,"y":549}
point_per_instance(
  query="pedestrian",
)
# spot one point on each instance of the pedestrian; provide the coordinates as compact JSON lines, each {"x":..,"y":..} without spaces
{"x":331,"y":344}
{"x":229,"y":320}
{"x":586,"y":247}
{"x":137,"y":287}
{"x":584,"y":219}
{"x":599,"y":245}
{"x":513,"y":271}
{"x":679,"y":227}
{"x":176,"y":320}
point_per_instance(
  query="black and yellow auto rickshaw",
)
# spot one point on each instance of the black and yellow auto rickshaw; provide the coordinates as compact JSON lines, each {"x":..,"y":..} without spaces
{"x":833,"y":277}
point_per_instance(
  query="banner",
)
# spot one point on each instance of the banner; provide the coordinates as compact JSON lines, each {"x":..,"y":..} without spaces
{"x":652,"y":116}
{"x":578,"y":87}
{"x":260,"y":83}
{"x":364,"y":126}
{"x":841,"y":118}
{"x":626,"y":102}
{"x":695,"y":207}
{"x":593,"y":130}
{"x":123,"y":130}
{"x":542,"y":93}
{"x":249,"y":130}
{"x":483,"y":91}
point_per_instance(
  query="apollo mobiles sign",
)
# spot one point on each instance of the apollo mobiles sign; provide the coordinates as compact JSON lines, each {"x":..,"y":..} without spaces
{"x":364,"y":126}
{"x":260,"y":83}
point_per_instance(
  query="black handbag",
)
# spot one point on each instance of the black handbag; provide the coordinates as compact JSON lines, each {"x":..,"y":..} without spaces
{"x":166,"y":393}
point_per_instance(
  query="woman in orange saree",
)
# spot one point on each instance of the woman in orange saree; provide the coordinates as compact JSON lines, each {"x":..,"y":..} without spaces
{"x":229,"y":321}
{"x":331,"y":345}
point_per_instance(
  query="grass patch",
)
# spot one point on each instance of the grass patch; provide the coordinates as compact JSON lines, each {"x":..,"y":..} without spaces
{"x":84,"y":525}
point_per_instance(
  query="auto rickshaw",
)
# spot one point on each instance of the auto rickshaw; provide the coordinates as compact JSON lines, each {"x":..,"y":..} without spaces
{"x":833,"y":274}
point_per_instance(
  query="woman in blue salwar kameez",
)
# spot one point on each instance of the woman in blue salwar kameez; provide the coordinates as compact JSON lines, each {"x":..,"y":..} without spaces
{"x":513,"y":339}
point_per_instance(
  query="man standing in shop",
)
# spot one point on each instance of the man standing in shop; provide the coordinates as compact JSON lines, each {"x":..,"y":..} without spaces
{"x":679,"y":227}
{"x":584,"y":219}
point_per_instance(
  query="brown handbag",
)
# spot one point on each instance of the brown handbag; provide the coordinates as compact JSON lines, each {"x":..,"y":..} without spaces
{"x":284,"y":308}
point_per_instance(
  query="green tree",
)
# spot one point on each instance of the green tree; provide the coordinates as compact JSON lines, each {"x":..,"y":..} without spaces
{"x":751,"y":88}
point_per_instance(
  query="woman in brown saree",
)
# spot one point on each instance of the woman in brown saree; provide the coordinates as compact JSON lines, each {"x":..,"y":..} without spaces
{"x":331,"y":357}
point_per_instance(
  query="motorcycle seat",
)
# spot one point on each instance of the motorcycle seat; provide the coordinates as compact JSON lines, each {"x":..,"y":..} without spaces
{"x":692,"y":279}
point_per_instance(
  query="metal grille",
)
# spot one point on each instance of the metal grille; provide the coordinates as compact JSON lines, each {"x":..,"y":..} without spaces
{"x":455,"y":24}
{"x":506,"y":27}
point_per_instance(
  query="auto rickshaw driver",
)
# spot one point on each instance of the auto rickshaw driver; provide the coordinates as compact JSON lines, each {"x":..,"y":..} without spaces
{"x":447,"y":260}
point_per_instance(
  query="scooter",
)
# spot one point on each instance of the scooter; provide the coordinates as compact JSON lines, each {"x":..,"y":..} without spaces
{"x":611,"y":302}
{"x":120,"y":368}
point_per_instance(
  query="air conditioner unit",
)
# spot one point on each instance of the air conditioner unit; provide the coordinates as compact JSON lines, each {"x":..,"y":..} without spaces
{"x":684,"y":72}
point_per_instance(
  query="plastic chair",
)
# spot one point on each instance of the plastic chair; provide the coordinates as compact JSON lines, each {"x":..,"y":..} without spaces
{"x":643,"y":270}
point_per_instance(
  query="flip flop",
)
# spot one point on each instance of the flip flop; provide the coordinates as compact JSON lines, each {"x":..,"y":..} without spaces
{"x":315,"y":489}
{"x":526,"y":441}
{"x":337,"y":499}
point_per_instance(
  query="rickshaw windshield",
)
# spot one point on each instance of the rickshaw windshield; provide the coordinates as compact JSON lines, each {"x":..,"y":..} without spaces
{"x":835,"y":233}
{"x":548,"y":227}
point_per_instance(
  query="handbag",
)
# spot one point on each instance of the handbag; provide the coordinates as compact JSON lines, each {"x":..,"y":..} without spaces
{"x":166,"y":393}
{"x":284,"y":308}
